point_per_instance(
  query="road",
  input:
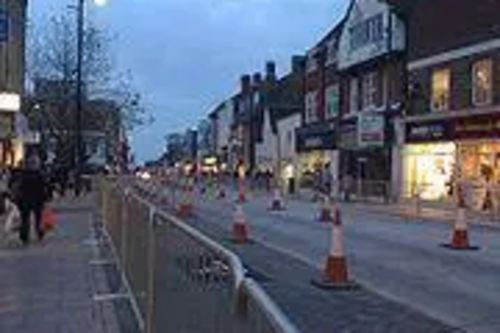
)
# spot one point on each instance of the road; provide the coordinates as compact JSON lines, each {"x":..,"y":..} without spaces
{"x":395,"y":257}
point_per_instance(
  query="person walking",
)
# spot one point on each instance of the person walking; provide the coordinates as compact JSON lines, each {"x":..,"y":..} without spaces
{"x":30,"y":195}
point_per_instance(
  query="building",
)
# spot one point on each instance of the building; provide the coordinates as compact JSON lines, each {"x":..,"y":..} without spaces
{"x":451,"y":132}
{"x":205,"y":152}
{"x":174,"y":149}
{"x":249,"y":116}
{"x":12,"y":69}
{"x":371,"y":58}
{"x":282,"y":103}
{"x":316,"y":139}
{"x":221,"y":119}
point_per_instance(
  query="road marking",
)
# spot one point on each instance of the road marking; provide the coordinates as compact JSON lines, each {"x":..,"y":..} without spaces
{"x":110,"y":297}
{"x":292,"y":254}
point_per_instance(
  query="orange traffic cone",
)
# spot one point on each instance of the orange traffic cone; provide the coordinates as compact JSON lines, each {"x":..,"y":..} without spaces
{"x":240,"y":227}
{"x":460,"y":236}
{"x":336,"y":274}
{"x":277,"y":202}
{"x":185,"y":208}
{"x":325,"y":213}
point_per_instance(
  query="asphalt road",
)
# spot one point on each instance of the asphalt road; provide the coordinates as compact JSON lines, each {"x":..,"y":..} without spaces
{"x":398,"y":258}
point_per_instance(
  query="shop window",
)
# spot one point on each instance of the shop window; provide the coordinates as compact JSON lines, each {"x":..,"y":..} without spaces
{"x":332,"y":101}
{"x":369,"y":89}
{"x":482,"y":82}
{"x":441,"y":90}
{"x":353,"y":96}
{"x":311,"y":114}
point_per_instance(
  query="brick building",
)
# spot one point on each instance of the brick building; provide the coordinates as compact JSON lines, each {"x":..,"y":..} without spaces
{"x":12,"y":63}
{"x":452,"y":126}
{"x":371,"y":66}
{"x":316,"y":140}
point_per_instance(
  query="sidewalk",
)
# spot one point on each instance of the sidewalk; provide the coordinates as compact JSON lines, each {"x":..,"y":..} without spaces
{"x":50,"y":287}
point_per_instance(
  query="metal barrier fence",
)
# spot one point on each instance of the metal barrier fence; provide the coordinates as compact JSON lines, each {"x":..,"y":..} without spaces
{"x":180,"y":280}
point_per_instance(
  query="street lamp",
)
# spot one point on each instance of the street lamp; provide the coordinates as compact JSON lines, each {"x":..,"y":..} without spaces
{"x":79,"y":88}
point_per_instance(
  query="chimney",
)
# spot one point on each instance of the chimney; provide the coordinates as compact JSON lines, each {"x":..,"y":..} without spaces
{"x":245,"y":83}
{"x":270,"y":71}
{"x":256,"y":79}
{"x":298,"y":63}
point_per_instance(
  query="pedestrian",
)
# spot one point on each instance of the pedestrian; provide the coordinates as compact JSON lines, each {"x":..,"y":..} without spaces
{"x":4,"y":191}
{"x":30,"y":195}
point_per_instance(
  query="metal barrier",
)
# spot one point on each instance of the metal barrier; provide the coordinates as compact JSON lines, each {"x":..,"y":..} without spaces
{"x":180,"y":280}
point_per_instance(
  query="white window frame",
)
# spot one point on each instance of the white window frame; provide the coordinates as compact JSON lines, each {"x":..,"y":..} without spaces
{"x":440,"y":103}
{"x":475,"y":91}
{"x":369,"y":88}
{"x":311,"y":105}
{"x":353,"y":96}
{"x":328,"y":92}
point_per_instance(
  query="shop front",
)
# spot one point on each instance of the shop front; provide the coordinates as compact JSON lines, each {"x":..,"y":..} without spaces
{"x":316,"y":154}
{"x":365,"y":156}
{"x":440,"y":153}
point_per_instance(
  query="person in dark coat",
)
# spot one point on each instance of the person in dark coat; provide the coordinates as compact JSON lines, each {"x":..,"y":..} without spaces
{"x":30,"y":196}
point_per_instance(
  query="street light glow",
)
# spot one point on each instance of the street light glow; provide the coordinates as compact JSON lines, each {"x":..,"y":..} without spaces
{"x":101,"y":2}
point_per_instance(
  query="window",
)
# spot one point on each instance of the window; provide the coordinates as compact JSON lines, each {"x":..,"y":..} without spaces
{"x":332,"y":101}
{"x":369,"y":90}
{"x":367,"y":32}
{"x":311,"y":114}
{"x":482,"y":82}
{"x":353,"y":96}
{"x":441,"y":90}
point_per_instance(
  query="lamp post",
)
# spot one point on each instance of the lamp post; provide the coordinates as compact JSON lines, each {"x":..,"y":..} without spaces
{"x":79,"y":87}
{"x":79,"y":144}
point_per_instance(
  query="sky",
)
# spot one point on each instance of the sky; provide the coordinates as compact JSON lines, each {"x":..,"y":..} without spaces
{"x":186,"y":56}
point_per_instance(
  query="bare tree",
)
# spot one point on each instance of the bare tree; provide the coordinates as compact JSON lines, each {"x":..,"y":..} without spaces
{"x":52,"y":56}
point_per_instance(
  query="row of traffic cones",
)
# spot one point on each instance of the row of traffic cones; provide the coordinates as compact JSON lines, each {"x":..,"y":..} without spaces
{"x":335,"y":273}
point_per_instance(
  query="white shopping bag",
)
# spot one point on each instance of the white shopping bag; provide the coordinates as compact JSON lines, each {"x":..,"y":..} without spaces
{"x":13,"y":220}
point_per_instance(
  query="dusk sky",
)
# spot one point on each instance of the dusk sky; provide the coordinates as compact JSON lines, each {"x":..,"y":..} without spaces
{"x":187,"y":55}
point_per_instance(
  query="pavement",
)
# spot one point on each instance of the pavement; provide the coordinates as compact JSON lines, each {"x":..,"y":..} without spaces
{"x":53,"y":286}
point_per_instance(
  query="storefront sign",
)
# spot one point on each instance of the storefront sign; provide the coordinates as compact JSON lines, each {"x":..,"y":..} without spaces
{"x":316,"y":137}
{"x":371,"y":128}
{"x":477,"y":127}
{"x":467,"y":128}
{"x":427,"y":132}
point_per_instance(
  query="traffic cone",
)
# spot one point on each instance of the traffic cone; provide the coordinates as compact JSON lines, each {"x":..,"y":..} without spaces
{"x":240,"y":227}
{"x":325,"y":213}
{"x":460,"y":236}
{"x":336,"y":273}
{"x":277,"y":202}
{"x":185,"y":208}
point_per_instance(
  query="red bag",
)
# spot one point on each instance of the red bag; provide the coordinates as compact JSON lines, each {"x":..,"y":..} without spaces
{"x":48,"y":219}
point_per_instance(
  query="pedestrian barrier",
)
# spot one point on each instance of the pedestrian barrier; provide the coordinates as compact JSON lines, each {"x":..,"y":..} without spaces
{"x":180,"y":280}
